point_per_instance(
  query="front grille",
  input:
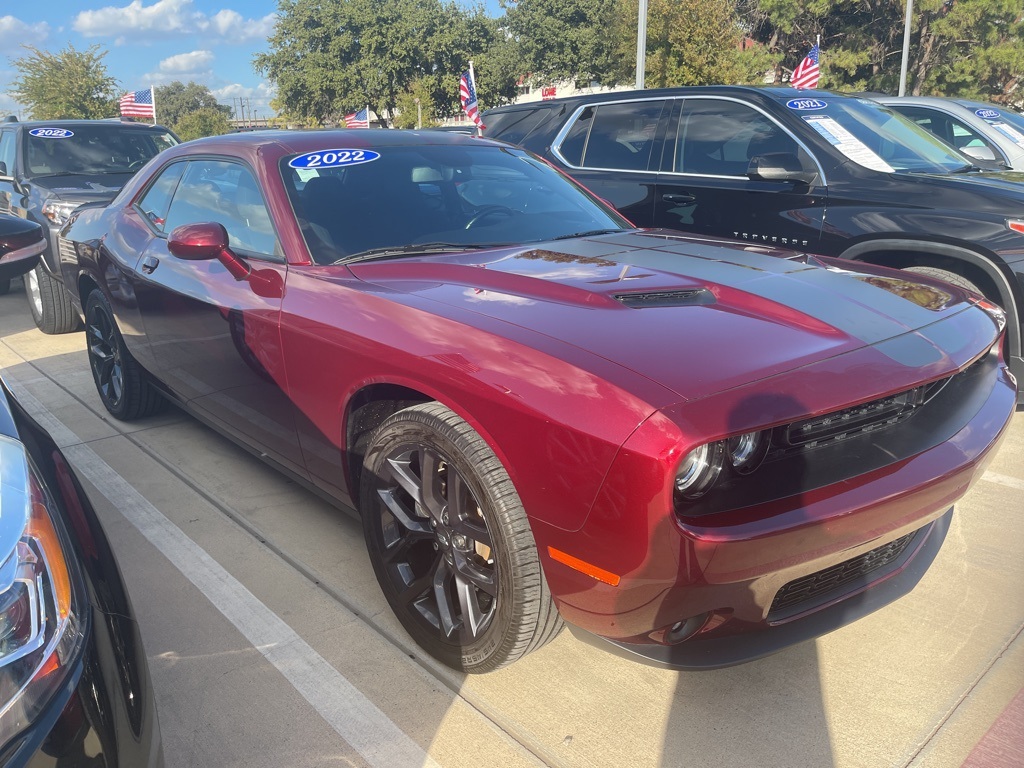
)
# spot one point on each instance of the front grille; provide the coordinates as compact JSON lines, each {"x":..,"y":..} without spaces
{"x":811,"y":588}
{"x":840,"y":425}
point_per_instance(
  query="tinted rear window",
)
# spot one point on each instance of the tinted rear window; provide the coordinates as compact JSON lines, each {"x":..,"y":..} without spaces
{"x":514,"y":126}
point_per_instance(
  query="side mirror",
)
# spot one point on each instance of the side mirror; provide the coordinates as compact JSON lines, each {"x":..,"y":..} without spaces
{"x":779,"y":166}
{"x":980,"y":153}
{"x":202,"y":242}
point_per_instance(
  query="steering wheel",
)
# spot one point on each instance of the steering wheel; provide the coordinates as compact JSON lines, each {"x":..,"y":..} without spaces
{"x":489,"y":210}
{"x":136,"y":164}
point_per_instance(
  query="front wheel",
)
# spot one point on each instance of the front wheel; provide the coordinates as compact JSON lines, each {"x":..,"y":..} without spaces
{"x":50,"y":304}
{"x":450,"y":542}
{"x":122,"y":386}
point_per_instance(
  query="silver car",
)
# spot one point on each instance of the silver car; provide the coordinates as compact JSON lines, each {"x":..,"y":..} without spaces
{"x":987,"y":132}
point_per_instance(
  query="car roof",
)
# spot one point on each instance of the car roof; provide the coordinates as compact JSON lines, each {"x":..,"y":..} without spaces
{"x":78,"y":122}
{"x":774,"y":93}
{"x":290,"y":142}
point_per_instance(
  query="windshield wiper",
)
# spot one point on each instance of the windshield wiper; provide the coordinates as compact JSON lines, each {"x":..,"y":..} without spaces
{"x":413,"y":249}
{"x":967,"y":168}
{"x":590,"y":233}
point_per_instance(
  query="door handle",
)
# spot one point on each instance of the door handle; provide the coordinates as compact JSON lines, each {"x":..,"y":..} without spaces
{"x":672,"y":197}
{"x":149,"y":263}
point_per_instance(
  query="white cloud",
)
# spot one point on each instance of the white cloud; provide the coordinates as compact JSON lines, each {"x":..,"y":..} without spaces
{"x":196,"y":61}
{"x":15,"y":32}
{"x":263,"y":91}
{"x":137,"y":22}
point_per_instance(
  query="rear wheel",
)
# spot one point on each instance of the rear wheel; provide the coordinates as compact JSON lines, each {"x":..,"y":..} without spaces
{"x":122,"y":386}
{"x":49,"y":303}
{"x":450,"y":542}
{"x":950,"y":277}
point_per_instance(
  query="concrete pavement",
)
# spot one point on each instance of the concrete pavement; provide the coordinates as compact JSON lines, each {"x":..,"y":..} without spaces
{"x":270,"y":643}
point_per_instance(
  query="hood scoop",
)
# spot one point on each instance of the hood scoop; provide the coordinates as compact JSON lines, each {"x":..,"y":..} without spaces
{"x":686,"y":298}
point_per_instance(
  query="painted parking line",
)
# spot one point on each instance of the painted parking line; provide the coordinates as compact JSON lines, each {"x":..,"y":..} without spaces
{"x":351,"y":714}
{"x":1009,"y":482}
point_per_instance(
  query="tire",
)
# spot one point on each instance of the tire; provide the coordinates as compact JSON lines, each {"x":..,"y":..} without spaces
{"x":49,"y":303}
{"x":950,"y":277}
{"x":122,"y":386}
{"x":467,"y":586}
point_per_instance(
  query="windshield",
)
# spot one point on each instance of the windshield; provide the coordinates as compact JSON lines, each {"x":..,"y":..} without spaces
{"x":86,"y":149}
{"x":1009,"y":124}
{"x":350,"y":201}
{"x":876,"y":137}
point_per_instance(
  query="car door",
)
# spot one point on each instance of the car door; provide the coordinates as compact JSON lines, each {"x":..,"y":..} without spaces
{"x":614,"y":150}
{"x":215,"y":339}
{"x":704,"y":187}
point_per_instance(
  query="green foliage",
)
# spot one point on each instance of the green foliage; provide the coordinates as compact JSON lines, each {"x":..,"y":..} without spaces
{"x":66,"y":84}
{"x":331,"y":57}
{"x":406,"y":108}
{"x":689,"y":42}
{"x":205,"y":121}
{"x":566,"y":39}
{"x":177,"y":99}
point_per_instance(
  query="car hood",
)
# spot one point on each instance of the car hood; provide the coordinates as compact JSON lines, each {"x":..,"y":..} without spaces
{"x":1005,"y":183}
{"x":699,"y":316}
{"x":86,"y":187}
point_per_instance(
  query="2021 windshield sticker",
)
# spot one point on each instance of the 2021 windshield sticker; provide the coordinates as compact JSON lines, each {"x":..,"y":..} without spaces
{"x":847,"y":143}
{"x":987,"y":114}
{"x":334,"y":158}
{"x":806,"y":105}
{"x":51,"y":133}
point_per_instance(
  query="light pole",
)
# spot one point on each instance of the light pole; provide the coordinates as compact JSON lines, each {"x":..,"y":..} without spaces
{"x":419,"y":115}
{"x":641,"y":44}
{"x":906,"y":49}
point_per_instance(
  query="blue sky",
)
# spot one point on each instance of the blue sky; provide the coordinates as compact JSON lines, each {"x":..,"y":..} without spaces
{"x":151,"y":41}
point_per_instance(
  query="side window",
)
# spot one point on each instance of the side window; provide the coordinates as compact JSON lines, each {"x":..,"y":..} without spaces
{"x":157,"y":199}
{"x":719,"y":138}
{"x":7,"y":153}
{"x":622,"y":135}
{"x":225,"y":192}
{"x":575,"y":140}
{"x":514,"y":126}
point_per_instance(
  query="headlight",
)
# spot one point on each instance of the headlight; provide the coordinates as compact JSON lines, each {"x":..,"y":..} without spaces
{"x":698,"y":470}
{"x":58,"y":212}
{"x":41,"y":623}
{"x":746,"y":452}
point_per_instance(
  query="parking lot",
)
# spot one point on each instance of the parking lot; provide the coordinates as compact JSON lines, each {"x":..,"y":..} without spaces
{"x":270,"y":643}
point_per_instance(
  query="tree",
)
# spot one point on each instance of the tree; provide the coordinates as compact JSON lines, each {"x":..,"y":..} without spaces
{"x":689,"y":42}
{"x":418,"y":100}
{"x":565,"y":39}
{"x":177,"y":99}
{"x":66,"y":84}
{"x":205,"y":121}
{"x":330,"y":58}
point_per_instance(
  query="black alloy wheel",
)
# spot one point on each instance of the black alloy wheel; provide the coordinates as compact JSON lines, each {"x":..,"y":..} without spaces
{"x":450,"y":542}
{"x":122,"y":386}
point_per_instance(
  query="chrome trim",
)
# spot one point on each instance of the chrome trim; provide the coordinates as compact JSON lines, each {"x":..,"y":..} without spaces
{"x":560,"y":136}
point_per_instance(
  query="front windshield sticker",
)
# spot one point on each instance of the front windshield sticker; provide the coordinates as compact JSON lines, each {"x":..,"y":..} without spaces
{"x":847,"y":143}
{"x":51,"y":133}
{"x":805,"y":105}
{"x":1009,"y":132}
{"x":987,"y":114}
{"x":334,"y":158}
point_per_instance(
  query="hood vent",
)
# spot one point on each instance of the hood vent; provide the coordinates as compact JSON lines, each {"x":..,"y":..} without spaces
{"x":688,"y":298}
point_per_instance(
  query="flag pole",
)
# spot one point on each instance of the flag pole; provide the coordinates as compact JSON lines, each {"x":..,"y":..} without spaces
{"x":472,"y":80}
{"x":367,"y":115}
{"x":152,"y":95}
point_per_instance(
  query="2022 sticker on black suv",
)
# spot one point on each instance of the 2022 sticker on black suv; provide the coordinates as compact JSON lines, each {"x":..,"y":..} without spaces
{"x":821,"y":172}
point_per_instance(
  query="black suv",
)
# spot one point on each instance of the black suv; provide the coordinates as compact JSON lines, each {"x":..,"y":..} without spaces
{"x":47,"y":169}
{"x":813,"y":171}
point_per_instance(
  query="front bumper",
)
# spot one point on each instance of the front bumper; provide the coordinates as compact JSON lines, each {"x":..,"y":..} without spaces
{"x":860,"y":599}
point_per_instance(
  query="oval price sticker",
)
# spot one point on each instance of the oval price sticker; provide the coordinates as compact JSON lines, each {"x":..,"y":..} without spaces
{"x":987,"y":114}
{"x":51,"y":133}
{"x":334,"y":158}
{"x":806,"y":104}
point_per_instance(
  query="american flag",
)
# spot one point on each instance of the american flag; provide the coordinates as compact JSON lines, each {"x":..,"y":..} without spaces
{"x":467,"y":95}
{"x":360,"y":119}
{"x":138,"y":104}
{"x":806,"y":73}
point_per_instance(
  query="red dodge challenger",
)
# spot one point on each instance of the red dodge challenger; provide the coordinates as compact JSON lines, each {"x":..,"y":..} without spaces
{"x":692,"y":451}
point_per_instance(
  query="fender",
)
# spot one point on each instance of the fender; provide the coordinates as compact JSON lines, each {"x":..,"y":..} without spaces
{"x":1009,"y":301}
